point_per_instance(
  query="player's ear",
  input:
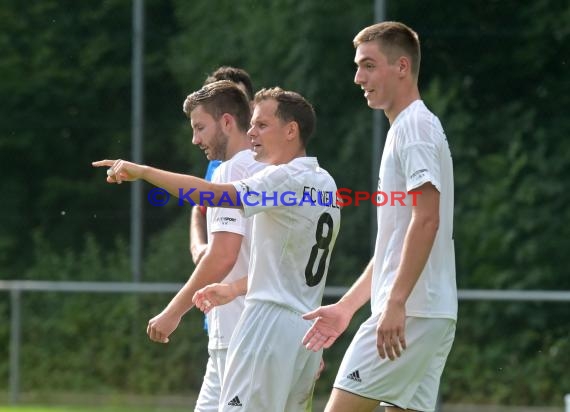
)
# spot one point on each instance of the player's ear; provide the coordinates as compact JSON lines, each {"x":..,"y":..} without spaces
{"x":227,"y":121}
{"x":404,"y":66}
{"x":292,"y":130}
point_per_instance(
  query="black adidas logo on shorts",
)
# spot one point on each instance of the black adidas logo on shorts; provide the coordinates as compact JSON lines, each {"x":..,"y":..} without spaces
{"x":355,"y":376}
{"x":235,"y":402}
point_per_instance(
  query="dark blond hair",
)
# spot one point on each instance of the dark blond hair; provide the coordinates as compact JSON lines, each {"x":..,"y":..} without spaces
{"x":394,"y":39}
{"x":218,"y":98}
{"x":291,"y":107}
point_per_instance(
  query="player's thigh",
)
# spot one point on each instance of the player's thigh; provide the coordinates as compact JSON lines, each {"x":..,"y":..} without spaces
{"x":363,"y":373}
{"x":266,"y":361}
{"x":303,"y":380}
{"x":343,"y":401}
{"x":425,"y":397}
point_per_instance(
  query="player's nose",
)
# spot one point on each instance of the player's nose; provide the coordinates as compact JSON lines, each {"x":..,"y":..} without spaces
{"x":358,"y":77}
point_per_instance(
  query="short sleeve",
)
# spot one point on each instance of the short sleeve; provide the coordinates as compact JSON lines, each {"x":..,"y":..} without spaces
{"x":227,"y":220}
{"x":223,"y":219}
{"x":420,"y":162}
{"x":263,"y":190}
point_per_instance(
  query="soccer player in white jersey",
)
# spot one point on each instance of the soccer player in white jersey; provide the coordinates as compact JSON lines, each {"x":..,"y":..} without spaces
{"x":397,"y":356}
{"x":296,"y":222}
{"x":199,"y":236}
{"x":219,"y":114}
{"x":198,"y":227}
{"x":229,"y":232}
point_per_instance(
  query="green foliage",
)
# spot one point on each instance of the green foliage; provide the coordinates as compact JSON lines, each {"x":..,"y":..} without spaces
{"x":57,"y":93}
{"x":168,"y":257}
{"x":97,"y":342}
{"x":516,"y":360}
{"x":65,"y":91}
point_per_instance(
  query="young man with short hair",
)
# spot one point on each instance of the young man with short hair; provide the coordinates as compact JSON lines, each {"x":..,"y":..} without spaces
{"x":219,"y":114}
{"x":198,"y":228}
{"x":397,"y":356}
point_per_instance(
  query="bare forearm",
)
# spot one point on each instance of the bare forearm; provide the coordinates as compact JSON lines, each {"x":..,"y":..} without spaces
{"x":239,"y":287}
{"x":417,"y":247}
{"x":198,"y":234}
{"x":359,"y":293}
{"x":188,"y":187}
{"x":216,"y":264}
{"x":175,"y":183}
{"x":211,"y":269}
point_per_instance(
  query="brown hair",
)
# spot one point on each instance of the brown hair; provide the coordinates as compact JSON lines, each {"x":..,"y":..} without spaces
{"x":218,"y":98}
{"x":291,"y":107}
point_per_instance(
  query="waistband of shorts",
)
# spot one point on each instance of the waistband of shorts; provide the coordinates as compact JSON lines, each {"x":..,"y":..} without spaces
{"x":269,"y":302}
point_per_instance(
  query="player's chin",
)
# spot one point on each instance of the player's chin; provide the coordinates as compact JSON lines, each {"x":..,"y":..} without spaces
{"x":258,"y":155}
{"x":374,"y":105}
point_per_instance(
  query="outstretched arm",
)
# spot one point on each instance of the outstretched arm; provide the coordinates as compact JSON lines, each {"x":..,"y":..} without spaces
{"x":332,"y":320}
{"x":191,"y":189}
{"x":219,"y":294}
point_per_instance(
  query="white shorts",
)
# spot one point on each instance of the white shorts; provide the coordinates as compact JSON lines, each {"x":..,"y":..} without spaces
{"x":267,"y":368}
{"x":209,"y":396}
{"x":408,"y":382}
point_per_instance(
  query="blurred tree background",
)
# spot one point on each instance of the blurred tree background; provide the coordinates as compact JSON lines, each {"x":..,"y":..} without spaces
{"x":496,"y":73}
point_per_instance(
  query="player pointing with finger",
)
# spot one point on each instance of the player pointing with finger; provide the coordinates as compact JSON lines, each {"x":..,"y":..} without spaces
{"x":267,"y":368}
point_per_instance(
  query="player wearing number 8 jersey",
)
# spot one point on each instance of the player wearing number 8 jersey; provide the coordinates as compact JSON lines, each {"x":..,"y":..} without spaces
{"x":267,"y":368}
{"x":293,"y":276}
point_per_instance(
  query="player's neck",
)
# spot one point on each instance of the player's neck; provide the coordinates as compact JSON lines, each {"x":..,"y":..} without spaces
{"x":236,"y":144}
{"x":290,"y":156}
{"x":406,"y":97}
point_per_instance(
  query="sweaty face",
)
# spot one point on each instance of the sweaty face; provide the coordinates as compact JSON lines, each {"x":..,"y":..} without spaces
{"x":375,"y":75}
{"x":268,"y":133}
{"x":208,"y":134}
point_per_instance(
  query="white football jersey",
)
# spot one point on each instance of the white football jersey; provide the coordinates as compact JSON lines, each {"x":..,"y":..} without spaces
{"x":222,"y":319}
{"x":296,"y":222}
{"x":416,"y":152}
